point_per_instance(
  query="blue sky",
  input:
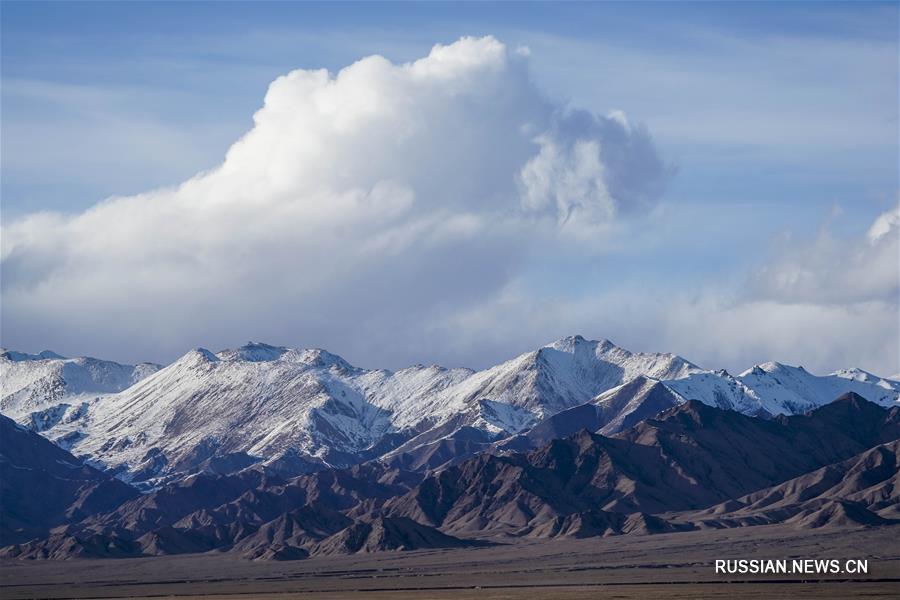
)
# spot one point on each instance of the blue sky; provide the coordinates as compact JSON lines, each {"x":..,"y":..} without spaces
{"x":778,"y":121}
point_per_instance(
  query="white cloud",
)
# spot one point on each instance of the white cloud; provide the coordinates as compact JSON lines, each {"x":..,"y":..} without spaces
{"x":567,"y":182}
{"x":710,"y":326}
{"x":392,"y":213}
{"x":834,"y":270}
{"x":886,"y":224}
{"x":824,"y":304}
{"x":359,"y":208}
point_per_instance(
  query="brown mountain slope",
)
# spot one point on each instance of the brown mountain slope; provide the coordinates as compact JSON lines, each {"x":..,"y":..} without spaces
{"x":608,"y":414}
{"x":42,"y":485}
{"x":388,"y":533}
{"x":862,"y":490}
{"x":690,"y":457}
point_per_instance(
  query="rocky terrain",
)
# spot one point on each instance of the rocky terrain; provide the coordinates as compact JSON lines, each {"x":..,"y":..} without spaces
{"x":691,"y":467}
{"x":295,"y":411}
{"x":42,"y":485}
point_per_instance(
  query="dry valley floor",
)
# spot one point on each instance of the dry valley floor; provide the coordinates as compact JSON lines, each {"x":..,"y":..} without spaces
{"x":667,"y":566}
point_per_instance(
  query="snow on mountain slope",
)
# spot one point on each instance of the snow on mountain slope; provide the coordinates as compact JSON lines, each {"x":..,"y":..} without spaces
{"x":31,"y":383}
{"x":626,"y":405}
{"x":513,"y":396}
{"x":773,"y":388}
{"x":864,"y":376}
{"x":782,"y":390}
{"x":790,"y":390}
{"x":719,"y":389}
{"x":295,"y":410}
{"x":246,"y":405}
{"x":301,"y":409}
{"x":415,"y":396}
{"x":566,"y":373}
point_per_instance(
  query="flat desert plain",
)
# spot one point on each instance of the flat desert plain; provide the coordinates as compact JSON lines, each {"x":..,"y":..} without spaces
{"x":679,"y":565}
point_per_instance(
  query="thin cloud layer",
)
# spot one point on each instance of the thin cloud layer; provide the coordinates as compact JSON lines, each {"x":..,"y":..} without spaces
{"x":827,"y":303}
{"x":836,"y":271}
{"x":360,"y":210}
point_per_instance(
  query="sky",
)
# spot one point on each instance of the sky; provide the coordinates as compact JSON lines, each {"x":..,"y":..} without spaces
{"x":452,"y":183}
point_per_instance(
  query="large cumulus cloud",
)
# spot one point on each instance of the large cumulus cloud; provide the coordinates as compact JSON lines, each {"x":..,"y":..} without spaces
{"x":359,"y":211}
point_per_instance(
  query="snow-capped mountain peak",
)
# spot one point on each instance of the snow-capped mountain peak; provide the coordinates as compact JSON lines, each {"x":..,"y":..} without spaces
{"x":301,"y":409}
{"x":316,"y":357}
{"x":763,"y":368}
{"x":21,"y":356}
{"x":857,"y":374}
{"x":253,"y":352}
{"x":33,"y":382}
{"x":198,"y":357}
{"x":260,"y":352}
{"x":776,"y":388}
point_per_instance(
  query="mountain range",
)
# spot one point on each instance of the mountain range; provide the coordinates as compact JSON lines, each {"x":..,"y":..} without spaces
{"x":296,"y":411}
{"x":691,"y":467}
{"x":273,"y":453}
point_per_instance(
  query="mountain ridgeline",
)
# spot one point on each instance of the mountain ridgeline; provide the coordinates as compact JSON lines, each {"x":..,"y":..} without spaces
{"x":275,"y":453}
{"x":692,"y":466}
{"x":297,"y":411}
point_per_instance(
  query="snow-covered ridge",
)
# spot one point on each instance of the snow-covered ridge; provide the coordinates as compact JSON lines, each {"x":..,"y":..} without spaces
{"x":22,"y":356}
{"x":773,"y":388}
{"x":36,"y":382}
{"x":299,"y":409}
